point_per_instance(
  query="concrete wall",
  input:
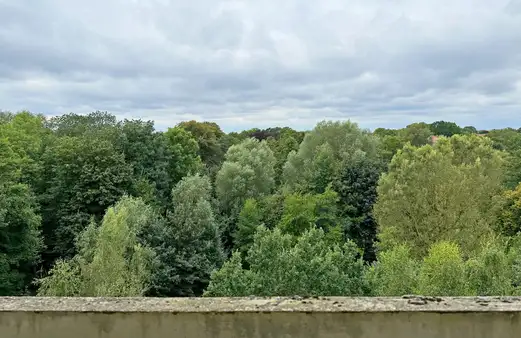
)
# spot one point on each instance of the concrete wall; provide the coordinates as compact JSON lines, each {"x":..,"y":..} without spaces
{"x":407,"y":317}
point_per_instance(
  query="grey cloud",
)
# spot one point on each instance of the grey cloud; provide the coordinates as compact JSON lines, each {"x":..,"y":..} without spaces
{"x":263,"y":63}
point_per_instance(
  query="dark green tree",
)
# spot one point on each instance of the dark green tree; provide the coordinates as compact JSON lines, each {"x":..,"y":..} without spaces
{"x":188,"y":244}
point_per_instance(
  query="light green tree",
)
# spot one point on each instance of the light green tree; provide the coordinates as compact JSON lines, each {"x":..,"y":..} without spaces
{"x":250,"y":218}
{"x":282,"y":265}
{"x":322,"y":153}
{"x":395,"y":273}
{"x":443,"y":272}
{"x":443,"y":192}
{"x":248,"y":172}
{"x":111,"y":259}
{"x":490,"y":272}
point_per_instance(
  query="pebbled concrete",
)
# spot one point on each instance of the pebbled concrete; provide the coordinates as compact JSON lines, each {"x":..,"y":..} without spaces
{"x":410,"y":303}
{"x":331,"y":317}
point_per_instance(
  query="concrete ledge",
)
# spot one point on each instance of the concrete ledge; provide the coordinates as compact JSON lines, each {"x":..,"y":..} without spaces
{"x":406,"y":317}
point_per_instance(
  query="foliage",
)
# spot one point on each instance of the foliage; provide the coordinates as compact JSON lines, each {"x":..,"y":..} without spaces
{"x":326,"y":148}
{"x":184,"y":158}
{"x":356,"y":187}
{"x":111,"y":261}
{"x":250,"y":218}
{"x":188,"y":244}
{"x":283,"y":266}
{"x":444,"y":128}
{"x":82,"y":178}
{"x":394,"y":274}
{"x":306,"y":211}
{"x":490,"y":272}
{"x":443,"y":271}
{"x":248,"y":172}
{"x":442,"y":192}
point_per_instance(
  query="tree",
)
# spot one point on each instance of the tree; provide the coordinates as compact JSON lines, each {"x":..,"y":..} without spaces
{"x":207,"y":135}
{"x":283,"y":266}
{"x":184,"y":158}
{"x":469,"y":130}
{"x":304,"y":212}
{"x":394,"y":274}
{"x":111,"y":261}
{"x":490,"y":272}
{"x":326,"y":148}
{"x":248,"y":172}
{"x":188,"y":244}
{"x":82,"y":178}
{"x":443,"y":272}
{"x":149,"y":155}
{"x":281,"y":148}
{"x":250,"y":218}
{"x":356,"y":187}
{"x":443,"y":128}
{"x":443,"y":192}
{"x":20,"y":238}
{"x":75,"y":125}
{"x":418,"y":134}
{"x":509,"y":223}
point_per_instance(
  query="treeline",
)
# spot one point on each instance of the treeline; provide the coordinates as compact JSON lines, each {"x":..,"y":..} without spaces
{"x":93,"y":206}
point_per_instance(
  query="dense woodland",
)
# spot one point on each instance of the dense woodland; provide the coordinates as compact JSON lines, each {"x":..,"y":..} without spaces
{"x":93,"y":206}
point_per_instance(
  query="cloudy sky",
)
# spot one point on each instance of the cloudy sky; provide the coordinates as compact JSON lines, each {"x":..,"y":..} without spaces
{"x":260,"y":63}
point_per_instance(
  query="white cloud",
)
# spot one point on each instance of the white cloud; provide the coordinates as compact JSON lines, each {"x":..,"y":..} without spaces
{"x":265,"y":63}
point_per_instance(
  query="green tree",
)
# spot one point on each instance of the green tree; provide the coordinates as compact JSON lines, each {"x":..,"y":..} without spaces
{"x":322,"y":153}
{"x":394,"y":274}
{"x":509,"y":223}
{"x":306,"y":211}
{"x":444,"y":128}
{"x":207,"y":135}
{"x":248,"y":172}
{"x":188,"y":244}
{"x":20,"y":237}
{"x":281,"y":148}
{"x":184,"y":158}
{"x":281,"y":265}
{"x":469,"y":130}
{"x":418,"y":134}
{"x":82,"y":178}
{"x":250,"y":218}
{"x":356,"y":188}
{"x":490,"y":272}
{"x":443,"y":272}
{"x":442,"y":192}
{"x":148,"y":152}
{"x":111,"y":259}
{"x":74,"y":125}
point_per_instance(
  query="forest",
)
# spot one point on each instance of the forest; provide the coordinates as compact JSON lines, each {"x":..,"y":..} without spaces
{"x":95,"y":206}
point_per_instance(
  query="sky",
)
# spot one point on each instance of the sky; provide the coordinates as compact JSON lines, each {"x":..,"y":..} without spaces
{"x":262,"y":63}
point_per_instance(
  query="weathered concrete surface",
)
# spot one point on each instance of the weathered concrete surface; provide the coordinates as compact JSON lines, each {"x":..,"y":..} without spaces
{"x":407,"y":317}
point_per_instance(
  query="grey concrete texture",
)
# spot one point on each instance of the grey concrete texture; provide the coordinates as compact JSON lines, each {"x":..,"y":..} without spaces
{"x":405,"y":317}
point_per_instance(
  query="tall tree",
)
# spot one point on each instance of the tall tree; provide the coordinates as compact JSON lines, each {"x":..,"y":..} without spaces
{"x":279,"y":265}
{"x":444,"y":128}
{"x":184,"y":158}
{"x":326,"y":148}
{"x":111,"y":261}
{"x":248,"y":172}
{"x":441,"y":192}
{"x":207,"y":135}
{"x":188,"y":244}
{"x":356,"y":186}
{"x":20,"y":238}
{"x":83,"y":176}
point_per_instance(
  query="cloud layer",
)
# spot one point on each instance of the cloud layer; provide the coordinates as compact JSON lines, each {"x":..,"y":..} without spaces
{"x":265,"y":63}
